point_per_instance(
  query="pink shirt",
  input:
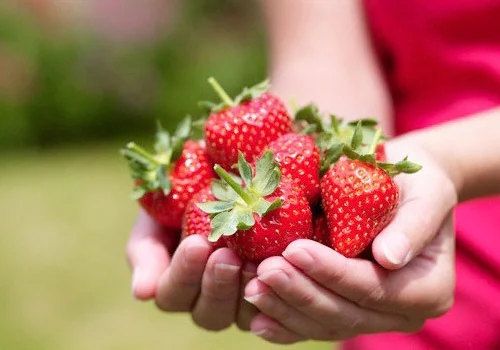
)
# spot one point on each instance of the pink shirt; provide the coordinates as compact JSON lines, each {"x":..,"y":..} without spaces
{"x":442,"y":61}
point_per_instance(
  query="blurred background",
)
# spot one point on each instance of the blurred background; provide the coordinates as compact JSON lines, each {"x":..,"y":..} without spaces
{"x":78,"y":78}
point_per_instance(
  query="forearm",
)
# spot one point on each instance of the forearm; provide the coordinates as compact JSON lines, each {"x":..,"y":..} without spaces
{"x":469,"y":150}
{"x":320,"y":52}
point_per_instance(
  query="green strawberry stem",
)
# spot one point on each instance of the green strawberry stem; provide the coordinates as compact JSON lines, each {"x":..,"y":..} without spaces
{"x":221,"y":92}
{"x":132,"y":146}
{"x":376,"y":139}
{"x":234,"y":185}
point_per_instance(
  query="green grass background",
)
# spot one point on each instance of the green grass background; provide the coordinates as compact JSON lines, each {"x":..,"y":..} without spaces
{"x":65,"y":217}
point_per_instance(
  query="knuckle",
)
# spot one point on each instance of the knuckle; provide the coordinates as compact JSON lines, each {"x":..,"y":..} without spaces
{"x":374,"y":295}
{"x":441,"y":305}
{"x":305,"y":300}
{"x":333,"y":277}
{"x":210,"y":323}
{"x":164,"y":304}
{"x":352,"y":324}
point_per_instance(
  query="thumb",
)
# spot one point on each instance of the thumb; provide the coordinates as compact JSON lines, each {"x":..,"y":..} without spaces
{"x":425,"y":205}
{"x":148,"y":256}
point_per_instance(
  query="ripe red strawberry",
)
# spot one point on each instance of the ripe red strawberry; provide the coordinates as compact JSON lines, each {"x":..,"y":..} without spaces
{"x":359,"y":200}
{"x":321,"y":232}
{"x":247,"y":124}
{"x":167,"y":180}
{"x":260,"y":219}
{"x":196,"y":221}
{"x":298,"y":158}
{"x":359,"y":196}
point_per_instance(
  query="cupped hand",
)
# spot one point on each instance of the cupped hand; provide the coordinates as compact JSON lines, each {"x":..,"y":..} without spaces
{"x":312,"y":292}
{"x":190,"y":277}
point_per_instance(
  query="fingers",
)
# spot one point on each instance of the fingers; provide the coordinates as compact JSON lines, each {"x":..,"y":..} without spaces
{"x":289,"y":317}
{"x":246,"y":311}
{"x":321,"y":305}
{"x":427,"y":198}
{"x":147,"y":255}
{"x":267,"y":328}
{"x":220,"y":291}
{"x":180,"y":285}
{"x":375,"y":288}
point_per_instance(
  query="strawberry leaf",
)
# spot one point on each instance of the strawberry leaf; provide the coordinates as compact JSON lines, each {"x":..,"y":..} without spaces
{"x":368,"y":158}
{"x":357,"y":137}
{"x":162,"y":139}
{"x":163,"y":181}
{"x":365,"y":122}
{"x":252,"y":92}
{"x":245,"y":169}
{"x":407,"y":167}
{"x":267,"y":175}
{"x":137,"y":193}
{"x":349,"y":152}
{"x":152,"y":169}
{"x":335,"y":123}
{"x":215,"y":207}
{"x":309,"y":129}
{"x":236,"y":205}
{"x":245,"y":220}
{"x":222,"y":191}
{"x":262,"y":206}
{"x":273,"y":181}
{"x":225,"y":223}
{"x":332,"y":156}
{"x":310,"y":114}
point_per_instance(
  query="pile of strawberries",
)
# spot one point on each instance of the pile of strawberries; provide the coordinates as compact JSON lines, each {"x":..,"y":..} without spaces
{"x":255,"y":179}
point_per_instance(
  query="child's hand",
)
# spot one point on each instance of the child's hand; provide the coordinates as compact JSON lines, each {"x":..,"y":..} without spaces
{"x":207,"y":284}
{"x":312,"y":292}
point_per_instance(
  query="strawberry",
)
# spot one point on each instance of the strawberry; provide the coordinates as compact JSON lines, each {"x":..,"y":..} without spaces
{"x":196,"y":221}
{"x":380,"y":155}
{"x":360,"y":200}
{"x":321,"y":232}
{"x":298,"y":158}
{"x":260,"y":217}
{"x":247,"y":124}
{"x":167,"y":180}
{"x":359,"y":195}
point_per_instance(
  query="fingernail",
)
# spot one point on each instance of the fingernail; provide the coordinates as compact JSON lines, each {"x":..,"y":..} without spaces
{"x":253,"y":299}
{"x":260,"y":332}
{"x":396,"y":249}
{"x":224,"y":273}
{"x":278,"y":276}
{"x":299,"y":257}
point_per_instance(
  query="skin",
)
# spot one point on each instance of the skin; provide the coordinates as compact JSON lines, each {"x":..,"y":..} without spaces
{"x":331,"y":297}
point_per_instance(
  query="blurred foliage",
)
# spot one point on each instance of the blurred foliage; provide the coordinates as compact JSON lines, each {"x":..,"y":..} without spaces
{"x":65,"y":284}
{"x":72,"y":86}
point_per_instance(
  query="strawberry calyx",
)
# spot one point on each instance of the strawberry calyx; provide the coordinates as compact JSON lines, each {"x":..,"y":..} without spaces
{"x":356,"y":140}
{"x":150,"y":170}
{"x":248,"y":93}
{"x":239,"y":198}
{"x":335,"y":130}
